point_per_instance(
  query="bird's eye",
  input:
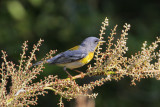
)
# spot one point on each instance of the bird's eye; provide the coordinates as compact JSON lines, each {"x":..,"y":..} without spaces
{"x":96,"y":41}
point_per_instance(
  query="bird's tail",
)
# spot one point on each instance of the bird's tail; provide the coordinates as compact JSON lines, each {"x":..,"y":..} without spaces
{"x":38,"y":63}
{"x":50,"y":61}
{"x":44,"y":62}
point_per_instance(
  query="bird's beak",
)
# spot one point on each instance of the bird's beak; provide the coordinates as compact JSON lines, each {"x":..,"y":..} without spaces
{"x":102,"y":41}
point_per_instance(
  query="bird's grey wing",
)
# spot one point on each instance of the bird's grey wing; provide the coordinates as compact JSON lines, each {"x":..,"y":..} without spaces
{"x":67,"y":57}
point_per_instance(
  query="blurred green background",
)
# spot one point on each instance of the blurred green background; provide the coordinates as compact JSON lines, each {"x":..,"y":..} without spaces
{"x":65,"y":23}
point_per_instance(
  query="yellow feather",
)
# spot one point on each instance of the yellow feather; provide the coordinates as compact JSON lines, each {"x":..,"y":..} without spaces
{"x":74,"y":48}
{"x":88,"y":58}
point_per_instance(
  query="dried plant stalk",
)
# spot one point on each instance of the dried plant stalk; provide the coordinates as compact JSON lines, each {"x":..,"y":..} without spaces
{"x":111,"y":63}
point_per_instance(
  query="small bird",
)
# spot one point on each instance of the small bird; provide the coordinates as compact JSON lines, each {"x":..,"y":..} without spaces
{"x":77,"y":56}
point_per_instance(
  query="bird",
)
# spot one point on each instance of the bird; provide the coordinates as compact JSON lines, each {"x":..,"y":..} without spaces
{"x":77,"y":56}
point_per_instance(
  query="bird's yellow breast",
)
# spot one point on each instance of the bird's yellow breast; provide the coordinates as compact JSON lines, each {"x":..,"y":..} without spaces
{"x":85,"y":60}
{"x":88,"y":58}
{"x":79,"y":63}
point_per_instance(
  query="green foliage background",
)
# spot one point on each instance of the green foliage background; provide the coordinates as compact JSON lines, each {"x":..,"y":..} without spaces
{"x":65,"y":23}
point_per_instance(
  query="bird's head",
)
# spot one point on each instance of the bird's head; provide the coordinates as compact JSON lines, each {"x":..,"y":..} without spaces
{"x":91,"y":43}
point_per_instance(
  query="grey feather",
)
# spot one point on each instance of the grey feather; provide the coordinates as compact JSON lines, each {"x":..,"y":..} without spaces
{"x":38,"y":63}
{"x":67,"y":57}
{"x":88,"y":45}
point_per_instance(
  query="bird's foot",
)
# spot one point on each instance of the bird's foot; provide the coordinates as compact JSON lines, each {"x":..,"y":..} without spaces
{"x":82,"y":75}
{"x":69,"y":75}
